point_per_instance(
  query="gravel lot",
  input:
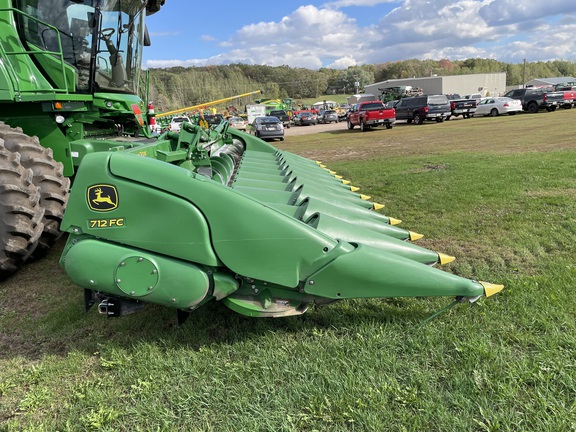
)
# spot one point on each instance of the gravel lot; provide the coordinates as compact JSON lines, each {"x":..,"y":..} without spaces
{"x":304,"y":130}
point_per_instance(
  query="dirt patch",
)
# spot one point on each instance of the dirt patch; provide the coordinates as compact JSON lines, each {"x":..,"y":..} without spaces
{"x":431,"y":167}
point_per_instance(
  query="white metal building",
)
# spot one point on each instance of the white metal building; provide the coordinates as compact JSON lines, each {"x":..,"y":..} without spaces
{"x":542,"y":82}
{"x":492,"y":84}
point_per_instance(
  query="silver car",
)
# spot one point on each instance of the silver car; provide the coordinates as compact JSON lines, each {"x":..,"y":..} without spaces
{"x":494,"y":106}
{"x":330,"y":116}
{"x":268,"y":127}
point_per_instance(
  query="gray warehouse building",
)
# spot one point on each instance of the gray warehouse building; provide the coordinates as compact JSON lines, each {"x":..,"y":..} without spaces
{"x":493,"y":84}
{"x":543,"y":82}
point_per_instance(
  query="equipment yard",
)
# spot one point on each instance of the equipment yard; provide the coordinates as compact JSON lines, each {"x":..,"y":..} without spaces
{"x":499,"y":194}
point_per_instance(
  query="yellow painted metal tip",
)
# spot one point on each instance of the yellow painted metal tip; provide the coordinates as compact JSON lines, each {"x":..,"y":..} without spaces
{"x":394,"y":221}
{"x":322,"y":165}
{"x":332,"y":172}
{"x":318,"y":162}
{"x":415,"y":236}
{"x":490,"y":288}
{"x":445,"y":259}
{"x":354,"y":188}
{"x":346,"y":182}
{"x":377,"y":206}
{"x":365,"y":197}
{"x":339,"y":177}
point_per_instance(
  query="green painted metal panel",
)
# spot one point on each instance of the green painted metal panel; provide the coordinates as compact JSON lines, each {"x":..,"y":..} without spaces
{"x":350,"y":213}
{"x":369,"y":272}
{"x":351,"y":233}
{"x":138,"y":275}
{"x":248,"y":238}
{"x":144,"y":217}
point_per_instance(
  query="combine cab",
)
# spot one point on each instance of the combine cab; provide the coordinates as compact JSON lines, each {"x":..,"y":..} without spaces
{"x":69,"y":79}
{"x":149,"y":217}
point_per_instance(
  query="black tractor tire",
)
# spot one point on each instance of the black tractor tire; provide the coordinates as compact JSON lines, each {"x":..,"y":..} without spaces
{"x":533,"y":107}
{"x":350,"y":125}
{"x":47,"y":176}
{"x":494,"y":112}
{"x":20,"y":213}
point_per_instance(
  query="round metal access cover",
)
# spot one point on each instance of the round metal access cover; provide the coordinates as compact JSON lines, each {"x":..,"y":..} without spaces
{"x":137,"y":276}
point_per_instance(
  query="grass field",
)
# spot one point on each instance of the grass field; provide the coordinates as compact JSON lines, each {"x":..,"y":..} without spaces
{"x":340,"y":98}
{"x":497,"y":193}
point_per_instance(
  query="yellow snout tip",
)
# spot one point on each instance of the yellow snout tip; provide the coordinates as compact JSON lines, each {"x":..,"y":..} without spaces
{"x":490,"y":288}
{"x":415,"y":236}
{"x":445,"y":259}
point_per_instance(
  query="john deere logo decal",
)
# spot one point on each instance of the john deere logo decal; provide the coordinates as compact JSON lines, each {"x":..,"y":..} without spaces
{"x":102,"y":198}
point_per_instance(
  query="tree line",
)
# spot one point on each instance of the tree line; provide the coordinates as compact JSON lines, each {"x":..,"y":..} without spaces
{"x":179,"y":87}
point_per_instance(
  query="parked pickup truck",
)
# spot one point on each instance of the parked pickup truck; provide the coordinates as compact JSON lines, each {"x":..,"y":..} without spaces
{"x":535,"y":98}
{"x":569,"y":92}
{"x":460,"y":106}
{"x":370,"y":114}
{"x":420,"y":108}
{"x":282,"y":116}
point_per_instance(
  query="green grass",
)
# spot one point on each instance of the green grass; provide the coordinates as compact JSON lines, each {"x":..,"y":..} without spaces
{"x":499,"y":194}
{"x":340,"y":98}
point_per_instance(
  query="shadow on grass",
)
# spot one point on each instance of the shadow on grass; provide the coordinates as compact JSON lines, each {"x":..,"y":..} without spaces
{"x":44,"y":316}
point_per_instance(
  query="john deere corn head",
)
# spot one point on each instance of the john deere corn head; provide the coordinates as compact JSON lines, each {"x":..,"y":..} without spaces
{"x":224,"y":216}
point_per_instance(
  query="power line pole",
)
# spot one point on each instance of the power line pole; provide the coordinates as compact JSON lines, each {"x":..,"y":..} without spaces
{"x":524,"y":75}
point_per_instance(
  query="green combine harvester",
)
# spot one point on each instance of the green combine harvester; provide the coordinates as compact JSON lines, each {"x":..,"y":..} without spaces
{"x":183,"y":218}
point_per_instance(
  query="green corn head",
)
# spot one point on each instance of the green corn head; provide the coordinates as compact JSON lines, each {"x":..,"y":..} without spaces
{"x":224,"y":216}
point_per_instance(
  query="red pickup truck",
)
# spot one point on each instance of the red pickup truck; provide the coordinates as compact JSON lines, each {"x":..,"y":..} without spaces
{"x":569,"y":95}
{"x":370,"y":114}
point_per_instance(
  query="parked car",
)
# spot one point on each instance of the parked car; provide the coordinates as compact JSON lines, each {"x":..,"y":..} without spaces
{"x":267,"y":127}
{"x":329,"y":116}
{"x":238,"y":123}
{"x":305,"y":118}
{"x":426,"y":107}
{"x":176,"y":123}
{"x":497,"y":105}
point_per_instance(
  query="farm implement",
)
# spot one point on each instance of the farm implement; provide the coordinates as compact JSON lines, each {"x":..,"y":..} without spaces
{"x":235,"y":220}
{"x":182,"y":218}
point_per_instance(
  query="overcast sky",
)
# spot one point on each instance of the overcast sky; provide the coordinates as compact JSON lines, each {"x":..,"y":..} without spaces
{"x":343,"y":33}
